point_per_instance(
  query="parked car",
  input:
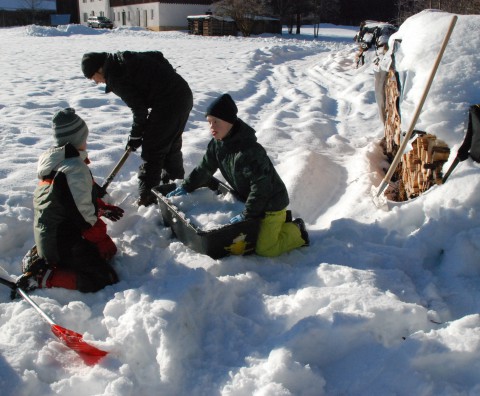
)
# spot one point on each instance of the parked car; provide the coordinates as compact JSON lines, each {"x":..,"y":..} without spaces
{"x":99,"y":22}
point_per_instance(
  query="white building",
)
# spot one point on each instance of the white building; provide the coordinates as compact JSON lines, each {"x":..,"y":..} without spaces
{"x":150,"y":14}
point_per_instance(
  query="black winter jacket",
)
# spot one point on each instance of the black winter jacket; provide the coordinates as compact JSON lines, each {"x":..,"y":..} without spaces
{"x":145,"y":80}
{"x":245,"y":165}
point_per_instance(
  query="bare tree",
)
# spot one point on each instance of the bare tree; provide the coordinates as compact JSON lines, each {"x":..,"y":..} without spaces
{"x":243,"y":12}
{"x":285,"y":10}
{"x":324,"y":10}
{"x":291,"y":12}
{"x":407,"y":8}
{"x":301,"y":7}
{"x":32,"y":6}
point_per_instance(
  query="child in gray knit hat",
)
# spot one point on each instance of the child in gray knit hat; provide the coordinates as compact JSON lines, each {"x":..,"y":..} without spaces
{"x":72,"y":248}
{"x":69,"y":128}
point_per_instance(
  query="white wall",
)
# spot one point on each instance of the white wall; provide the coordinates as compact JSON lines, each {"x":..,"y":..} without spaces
{"x":175,"y":15}
{"x":135,"y":15}
{"x":93,"y":7}
{"x":155,"y":16}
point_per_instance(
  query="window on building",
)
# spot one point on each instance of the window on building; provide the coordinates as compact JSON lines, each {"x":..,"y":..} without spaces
{"x":128,"y":15}
{"x":151,"y":13}
{"x":85,"y":17}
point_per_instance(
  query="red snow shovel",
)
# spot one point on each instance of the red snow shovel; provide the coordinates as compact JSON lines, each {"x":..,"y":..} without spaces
{"x":90,"y":354}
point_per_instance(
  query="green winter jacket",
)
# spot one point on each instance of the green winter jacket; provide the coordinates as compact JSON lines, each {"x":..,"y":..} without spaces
{"x":246,"y":167}
{"x":64,"y":201}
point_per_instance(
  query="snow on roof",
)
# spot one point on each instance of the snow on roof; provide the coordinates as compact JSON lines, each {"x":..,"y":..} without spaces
{"x":375,"y":23}
{"x":220,"y":18}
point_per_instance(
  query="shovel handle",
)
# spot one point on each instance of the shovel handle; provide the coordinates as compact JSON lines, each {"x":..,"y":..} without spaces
{"x":114,"y":172}
{"x":27,"y":298}
{"x":450,"y":170}
{"x":8,"y":283}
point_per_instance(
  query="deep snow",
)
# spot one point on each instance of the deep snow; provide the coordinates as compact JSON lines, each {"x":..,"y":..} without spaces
{"x":382,"y":302}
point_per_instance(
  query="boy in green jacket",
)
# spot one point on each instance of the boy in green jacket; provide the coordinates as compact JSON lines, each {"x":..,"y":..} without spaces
{"x":245,"y":165}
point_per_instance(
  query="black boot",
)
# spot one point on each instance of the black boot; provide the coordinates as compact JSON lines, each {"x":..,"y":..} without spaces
{"x":147,"y":198}
{"x":303,"y":231}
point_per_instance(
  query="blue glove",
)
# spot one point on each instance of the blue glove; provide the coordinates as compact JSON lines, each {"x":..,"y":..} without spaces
{"x":177,"y":192}
{"x":237,"y":218}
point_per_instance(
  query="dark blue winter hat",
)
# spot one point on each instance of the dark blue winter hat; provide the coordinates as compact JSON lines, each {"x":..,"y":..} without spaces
{"x":224,"y":108}
{"x":69,"y":128}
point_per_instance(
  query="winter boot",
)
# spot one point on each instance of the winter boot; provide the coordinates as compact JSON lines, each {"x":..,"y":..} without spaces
{"x":147,"y":198}
{"x":35,"y":271}
{"x":303,"y":231}
{"x":165,"y":177}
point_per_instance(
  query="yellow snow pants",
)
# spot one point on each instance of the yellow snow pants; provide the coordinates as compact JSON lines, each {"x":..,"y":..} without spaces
{"x":276,"y":237}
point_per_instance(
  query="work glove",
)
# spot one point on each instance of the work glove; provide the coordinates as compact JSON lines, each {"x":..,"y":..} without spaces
{"x":28,"y":282}
{"x":238,"y":218}
{"x":134,"y":142}
{"x":177,"y":192}
{"x":97,"y":234}
{"x":34,"y":269}
{"x":111,"y":212}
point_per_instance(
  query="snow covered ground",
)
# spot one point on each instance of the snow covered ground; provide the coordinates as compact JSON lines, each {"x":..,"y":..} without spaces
{"x":381,"y":303}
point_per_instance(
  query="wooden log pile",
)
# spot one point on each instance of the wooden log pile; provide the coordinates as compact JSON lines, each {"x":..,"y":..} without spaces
{"x":420,"y":168}
{"x":392,"y":115}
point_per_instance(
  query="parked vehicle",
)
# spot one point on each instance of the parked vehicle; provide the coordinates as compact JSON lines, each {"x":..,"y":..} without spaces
{"x":99,"y":22}
{"x":373,"y":33}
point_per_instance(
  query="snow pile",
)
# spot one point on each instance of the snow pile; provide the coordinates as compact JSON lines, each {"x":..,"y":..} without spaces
{"x":205,"y":209}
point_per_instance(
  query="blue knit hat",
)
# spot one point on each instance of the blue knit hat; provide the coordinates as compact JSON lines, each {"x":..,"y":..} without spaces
{"x":69,"y":128}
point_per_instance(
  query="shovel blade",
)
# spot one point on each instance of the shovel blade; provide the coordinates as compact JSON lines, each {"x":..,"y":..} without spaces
{"x":90,"y":354}
{"x":379,"y":198}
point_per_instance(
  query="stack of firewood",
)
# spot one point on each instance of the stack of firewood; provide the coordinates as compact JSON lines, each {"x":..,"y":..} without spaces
{"x":392,"y":116}
{"x":422,"y":166}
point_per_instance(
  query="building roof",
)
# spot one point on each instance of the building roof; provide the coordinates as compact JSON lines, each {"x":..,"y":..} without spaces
{"x":12,"y":5}
{"x":119,"y":3}
{"x":209,"y":16}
